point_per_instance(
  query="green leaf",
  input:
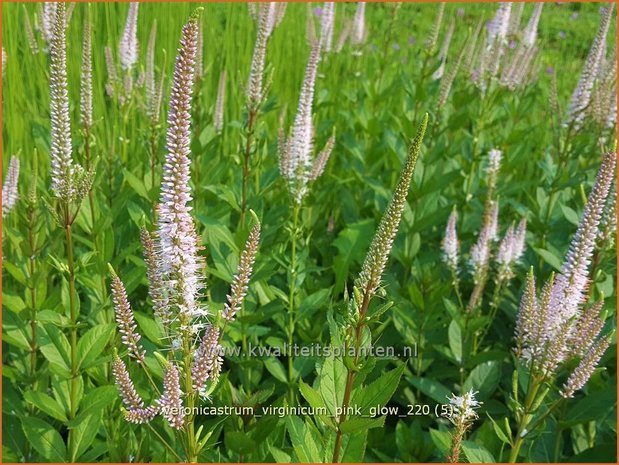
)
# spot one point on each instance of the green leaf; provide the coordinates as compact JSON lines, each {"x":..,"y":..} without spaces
{"x":315,"y":400}
{"x":332,"y":383}
{"x":92,"y":343}
{"x":46,"y":404}
{"x":476,"y":453}
{"x":357,"y":424}
{"x":455,"y":340}
{"x":150,"y":328}
{"x":97,"y":399}
{"x":354,"y":449}
{"x":484,"y":378}
{"x":570,"y":214}
{"x":549,"y":258}
{"x":433,"y":389}
{"x":45,"y":439}
{"x":303,"y":442}
{"x":279,"y":455}
{"x":12,"y":302}
{"x":136,"y":184}
{"x":499,"y":431}
{"x":56,"y":348}
{"x":62,"y":388}
{"x":441,"y":439}
{"x":313,"y":302}
{"x":595,"y":406}
{"x":84,"y":434}
{"x":378,"y":392}
{"x":239,"y":442}
{"x":275,"y":367}
{"x":351,"y":244}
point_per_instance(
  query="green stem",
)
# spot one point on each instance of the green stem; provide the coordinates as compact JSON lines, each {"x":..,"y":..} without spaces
{"x":524,"y":422}
{"x":91,"y":203}
{"x":456,"y":285}
{"x":291,"y":297}
{"x":190,"y":437}
{"x":73,"y":328}
{"x":33,"y":293}
{"x":73,"y":316}
{"x":251,"y":122}
{"x":164,"y":442}
{"x":350,"y":377}
{"x":420,"y":82}
{"x":494,"y":308}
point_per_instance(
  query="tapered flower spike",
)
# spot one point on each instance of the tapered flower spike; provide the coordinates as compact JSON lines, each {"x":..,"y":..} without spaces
{"x":469,"y":54}
{"x":295,"y":154}
{"x":207,"y":360}
{"x":586,"y":330}
{"x":358,"y":25}
{"x":510,"y":250}
{"x":110,"y":66}
{"x":200,"y":53}
{"x":327,"y":25}
{"x":9,"y":187}
{"x":556,"y":351}
{"x":494,"y":163}
{"x":125,"y":319}
{"x":436,"y":28}
{"x":480,"y":254}
{"x":310,"y":25}
{"x":255,"y":91}
{"x":128,"y":46}
{"x":462,"y":416}
{"x":444,"y":51}
{"x":570,"y":286}
{"x":220,"y":102}
{"x":32,"y":41}
{"x":516,"y":73}
{"x":177,"y":234}
{"x":280,"y":11}
{"x":514,"y":18}
{"x":47,"y":20}
{"x":152,"y":109}
{"x":171,"y":402}
{"x":252,"y":8}
{"x":499,"y":25}
{"x":130,"y":396}
{"x":519,"y":240}
{"x":527,"y":312}
{"x":61,"y":149}
{"x":321,"y":160}
{"x":448,"y":80}
{"x":141,"y":415}
{"x":608,"y":223}
{"x":581,"y":97}
{"x":238,"y":290}
{"x":343,"y":37}
{"x":451,"y":245}
{"x":86,"y":74}
{"x":376,"y":259}
{"x":156,"y":286}
{"x":69,"y":13}
{"x":504,"y":254}
{"x":530,"y":31}
{"x":585,"y":369}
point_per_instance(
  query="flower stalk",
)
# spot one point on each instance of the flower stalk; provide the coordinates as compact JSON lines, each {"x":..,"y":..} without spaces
{"x":369,"y":278}
{"x":556,"y":327}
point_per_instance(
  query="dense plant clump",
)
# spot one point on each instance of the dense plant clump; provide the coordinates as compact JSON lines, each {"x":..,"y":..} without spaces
{"x":323,"y":232}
